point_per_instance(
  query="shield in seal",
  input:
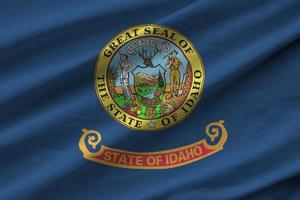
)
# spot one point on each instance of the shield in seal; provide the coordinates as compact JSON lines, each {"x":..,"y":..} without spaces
{"x":149,"y":86}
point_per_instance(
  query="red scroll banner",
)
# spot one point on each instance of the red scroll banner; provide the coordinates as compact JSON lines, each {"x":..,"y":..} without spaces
{"x":216,"y":136}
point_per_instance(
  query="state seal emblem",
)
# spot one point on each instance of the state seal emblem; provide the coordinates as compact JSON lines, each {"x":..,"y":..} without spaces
{"x":149,"y":77}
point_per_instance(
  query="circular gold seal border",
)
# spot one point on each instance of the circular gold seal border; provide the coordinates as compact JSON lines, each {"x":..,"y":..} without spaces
{"x":150,"y":30}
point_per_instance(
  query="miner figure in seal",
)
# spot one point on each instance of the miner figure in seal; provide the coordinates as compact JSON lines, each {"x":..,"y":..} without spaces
{"x":174,"y":64}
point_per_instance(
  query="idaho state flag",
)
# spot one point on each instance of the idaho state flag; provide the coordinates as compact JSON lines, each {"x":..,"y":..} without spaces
{"x":155,"y":99}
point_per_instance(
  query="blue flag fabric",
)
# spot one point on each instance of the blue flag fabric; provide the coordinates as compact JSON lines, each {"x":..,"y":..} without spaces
{"x":250,"y":50}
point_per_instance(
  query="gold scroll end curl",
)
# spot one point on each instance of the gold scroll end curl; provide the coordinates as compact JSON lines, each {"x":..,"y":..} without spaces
{"x":216,"y":135}
{"x":90,"y":143}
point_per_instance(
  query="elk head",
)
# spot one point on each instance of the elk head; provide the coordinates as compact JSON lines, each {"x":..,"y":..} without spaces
{"x":147,"y":58}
